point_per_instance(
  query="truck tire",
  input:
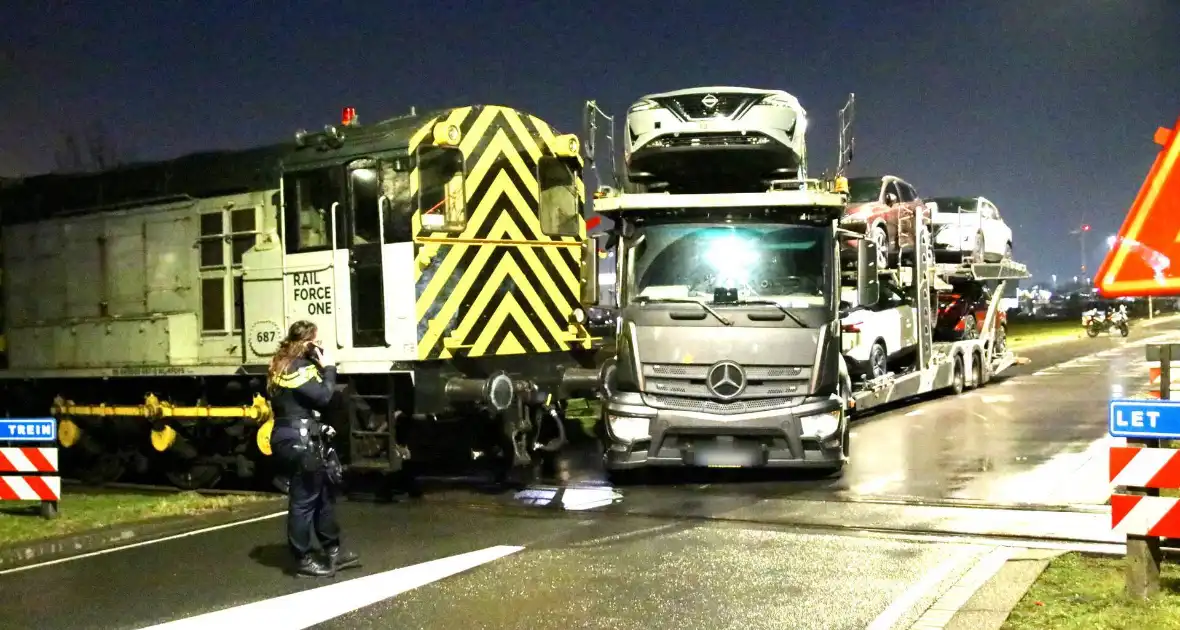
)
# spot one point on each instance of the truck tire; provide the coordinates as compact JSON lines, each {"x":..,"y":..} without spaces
{"x":976,"y":370}
{"x":957,"y":379}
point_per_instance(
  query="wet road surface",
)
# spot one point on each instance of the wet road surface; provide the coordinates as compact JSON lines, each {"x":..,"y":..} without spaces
{"x":717,"y":551}
{"x":592,"y":572}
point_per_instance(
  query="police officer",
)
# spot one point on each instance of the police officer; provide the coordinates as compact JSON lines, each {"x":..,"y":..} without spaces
{"x":301,"y":381}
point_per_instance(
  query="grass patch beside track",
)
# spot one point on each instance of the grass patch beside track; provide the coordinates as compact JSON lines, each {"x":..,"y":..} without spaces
{"x":80,"y":511}
{"x":1026,"y":333}
{"x":1082,"y":592}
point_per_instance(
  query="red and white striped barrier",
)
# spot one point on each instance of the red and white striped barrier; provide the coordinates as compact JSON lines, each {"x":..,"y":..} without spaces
{"x":30,"y":481}
{"x":30,"y":488}
{"x":31,"y":459}
{"x":1142,"y":467}
{"x":1136,"y":515}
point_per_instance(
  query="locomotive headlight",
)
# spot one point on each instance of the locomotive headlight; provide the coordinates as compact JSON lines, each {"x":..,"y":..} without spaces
{"x":445,"y":134}
{"x":566,"y":146}
{"x":578,"y":316}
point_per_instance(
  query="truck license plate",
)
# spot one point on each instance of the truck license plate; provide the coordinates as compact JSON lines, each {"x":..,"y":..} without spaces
{"x":728,"y":457}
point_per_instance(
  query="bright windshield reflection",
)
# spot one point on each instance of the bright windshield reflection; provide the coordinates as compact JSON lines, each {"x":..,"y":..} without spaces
{"x":784,"y":263}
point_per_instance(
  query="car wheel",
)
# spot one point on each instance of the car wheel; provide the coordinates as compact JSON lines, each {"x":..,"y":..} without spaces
{"x":969,"y":327}
{"x":1001,"y":344}
{"x":881,"y":238}
{"x":977,"y":256}
{"x":878,"y":360}
{"x":1008,"y":252}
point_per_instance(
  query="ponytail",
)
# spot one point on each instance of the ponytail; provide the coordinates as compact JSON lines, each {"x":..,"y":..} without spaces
{"x":298,"y":337}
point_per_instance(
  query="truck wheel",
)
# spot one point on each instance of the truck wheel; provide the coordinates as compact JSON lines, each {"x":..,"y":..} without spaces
{"x":976,"y":370}
{"x":957,"y":376}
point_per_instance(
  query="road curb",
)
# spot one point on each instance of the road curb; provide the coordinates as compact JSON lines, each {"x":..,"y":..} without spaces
{"x":983,"y":598}
{"x":16,"y":555}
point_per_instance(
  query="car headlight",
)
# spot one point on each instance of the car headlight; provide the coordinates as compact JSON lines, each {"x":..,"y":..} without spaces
{"x":820,"y":425}
{"x":643,"y":106}
{"x":629,"y":428}
{"x":778,"y":100}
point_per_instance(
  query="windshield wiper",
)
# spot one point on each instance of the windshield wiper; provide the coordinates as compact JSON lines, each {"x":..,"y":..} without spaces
{"x":780,"y":307}
{"x":649,"y":300}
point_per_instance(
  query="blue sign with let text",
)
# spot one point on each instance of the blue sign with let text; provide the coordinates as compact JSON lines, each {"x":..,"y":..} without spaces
{"x":28,"y":430}
{"x":1147,"y":419}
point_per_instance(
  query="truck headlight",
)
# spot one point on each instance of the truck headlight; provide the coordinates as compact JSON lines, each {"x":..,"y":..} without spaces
{"x":820,"y":425}
{"x":629,"y":428}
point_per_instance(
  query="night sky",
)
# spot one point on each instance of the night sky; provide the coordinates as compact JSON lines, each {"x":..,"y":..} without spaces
{"x":1048,"y":111}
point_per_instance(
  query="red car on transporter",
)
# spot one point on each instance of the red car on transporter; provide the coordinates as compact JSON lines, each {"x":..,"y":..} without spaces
{"x":961,"y":315}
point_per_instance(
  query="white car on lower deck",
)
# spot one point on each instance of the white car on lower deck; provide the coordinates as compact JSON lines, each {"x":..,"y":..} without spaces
{"x":970,"y":228}
{"x":875,"y":336}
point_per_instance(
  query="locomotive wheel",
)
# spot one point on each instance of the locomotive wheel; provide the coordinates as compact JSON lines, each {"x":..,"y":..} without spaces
{"x":194,"y":476}
{"x":100,"y":469}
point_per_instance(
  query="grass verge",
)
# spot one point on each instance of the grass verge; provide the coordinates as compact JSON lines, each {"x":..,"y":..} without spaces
{"x":19,"y":521}
{"x":1077,"y":592}
{"x":1026,"y":333}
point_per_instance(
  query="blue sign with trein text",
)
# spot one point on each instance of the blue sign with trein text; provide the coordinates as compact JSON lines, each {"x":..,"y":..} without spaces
{"x":28,"y":430}
{"x":1147,"y":419}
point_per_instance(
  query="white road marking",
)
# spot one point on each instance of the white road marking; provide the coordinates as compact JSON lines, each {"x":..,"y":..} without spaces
{"x":915,"y":412}
{"x":308,"y":608}
{"x":921,"y":588}
{"x":997,"y":398}
{"x":143,"y":543}
{"x":943,"y":610}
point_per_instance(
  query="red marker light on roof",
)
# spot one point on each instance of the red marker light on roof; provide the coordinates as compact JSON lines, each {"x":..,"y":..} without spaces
{"x":348,"y":116}
{"x":1086,"y":227}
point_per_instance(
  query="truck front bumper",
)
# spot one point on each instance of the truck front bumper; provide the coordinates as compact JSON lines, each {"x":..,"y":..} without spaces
{"x":812,"y":434}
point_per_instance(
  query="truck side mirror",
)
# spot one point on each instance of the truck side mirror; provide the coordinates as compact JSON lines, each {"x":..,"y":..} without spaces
{"x":590,"y":289}
{"x":867,"y":282}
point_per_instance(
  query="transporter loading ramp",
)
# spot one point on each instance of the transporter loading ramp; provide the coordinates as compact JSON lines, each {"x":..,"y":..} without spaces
{"x":956,"y":365}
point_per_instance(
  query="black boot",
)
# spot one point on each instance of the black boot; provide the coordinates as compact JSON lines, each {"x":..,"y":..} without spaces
{"x":311,"y":567}
{"x":342,"y":559}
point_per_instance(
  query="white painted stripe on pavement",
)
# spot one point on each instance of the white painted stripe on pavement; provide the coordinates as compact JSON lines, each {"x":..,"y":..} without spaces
{"x":143,"y":543}
{"x":943,"y":610}
{"x":308,"y":608}
{"x":920,"y":589}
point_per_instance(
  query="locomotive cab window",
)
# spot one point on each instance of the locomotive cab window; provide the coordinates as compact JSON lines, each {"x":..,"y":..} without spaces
{"x":365,"y":186}
{"x":398,"y":210}
{"x":559,"y":197}
{"x":308,"y":198}
{"x":441,"y":199}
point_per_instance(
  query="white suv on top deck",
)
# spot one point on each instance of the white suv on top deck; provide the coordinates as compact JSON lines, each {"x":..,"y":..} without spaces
{"x":676,"y":137}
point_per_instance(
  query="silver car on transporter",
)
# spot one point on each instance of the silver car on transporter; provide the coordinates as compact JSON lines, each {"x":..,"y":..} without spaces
{"x":700,"y":137}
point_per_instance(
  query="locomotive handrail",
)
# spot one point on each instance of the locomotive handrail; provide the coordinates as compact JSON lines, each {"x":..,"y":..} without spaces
{"x":335,"y":311}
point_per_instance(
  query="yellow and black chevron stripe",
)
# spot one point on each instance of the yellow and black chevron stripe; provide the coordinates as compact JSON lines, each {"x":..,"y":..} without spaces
{"x":501,"y":286}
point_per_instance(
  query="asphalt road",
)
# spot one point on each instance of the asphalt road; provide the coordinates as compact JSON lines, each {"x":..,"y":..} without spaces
{"x":712,"y":551}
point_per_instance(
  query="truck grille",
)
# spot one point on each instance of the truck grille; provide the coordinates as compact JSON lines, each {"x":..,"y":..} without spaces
{"x":679,"y":403}
{"x":762,"y":382}
{"x":691,"y":107}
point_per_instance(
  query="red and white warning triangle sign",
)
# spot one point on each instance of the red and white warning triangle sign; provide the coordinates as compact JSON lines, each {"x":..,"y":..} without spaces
{"x":1145,"y":259}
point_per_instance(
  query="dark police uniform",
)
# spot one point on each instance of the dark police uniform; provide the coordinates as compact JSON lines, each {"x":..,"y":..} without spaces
{"x":299,"y":442}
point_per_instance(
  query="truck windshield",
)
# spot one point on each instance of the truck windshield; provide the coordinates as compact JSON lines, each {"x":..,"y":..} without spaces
{"x":787,"y":264}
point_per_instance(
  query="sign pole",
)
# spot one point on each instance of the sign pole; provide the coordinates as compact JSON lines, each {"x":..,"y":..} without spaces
{"x":1143,"y":552}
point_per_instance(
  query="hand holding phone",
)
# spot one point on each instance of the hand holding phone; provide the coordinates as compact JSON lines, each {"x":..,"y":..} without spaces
{"x":322,"y":356}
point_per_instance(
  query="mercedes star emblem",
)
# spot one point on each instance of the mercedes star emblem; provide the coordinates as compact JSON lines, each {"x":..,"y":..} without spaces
{"x":726,"y":380}
{"x":709,"y":101}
